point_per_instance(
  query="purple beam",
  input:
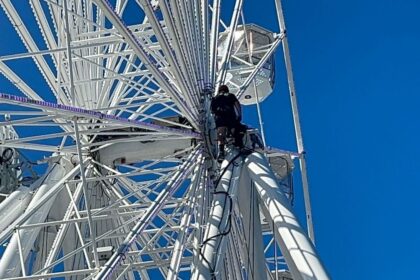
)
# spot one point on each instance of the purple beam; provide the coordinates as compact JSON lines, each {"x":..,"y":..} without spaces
{"x":13,"y":99}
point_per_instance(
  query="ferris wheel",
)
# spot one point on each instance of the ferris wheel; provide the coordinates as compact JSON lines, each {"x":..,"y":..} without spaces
{"x":107,"y":145}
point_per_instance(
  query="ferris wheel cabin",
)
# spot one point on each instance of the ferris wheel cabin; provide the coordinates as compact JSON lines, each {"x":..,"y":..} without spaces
{"x":251,"y":43}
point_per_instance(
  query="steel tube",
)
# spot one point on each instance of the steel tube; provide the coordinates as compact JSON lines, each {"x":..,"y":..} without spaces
{"x":219,"y":223}
{"x":13,"y":206}
{"x":297,"y":248}
{"x":296,"y":121}
{"x":250,"y":213}
{"x":19,"y":246}
{"x":92,"y":228}
{"x":36,"y":204}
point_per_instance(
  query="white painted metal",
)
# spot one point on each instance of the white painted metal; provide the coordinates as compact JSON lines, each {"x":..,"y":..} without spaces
{"x":260,"y":120}
{"x":60,"y":237}
{"x":296,"y":121}
{"x":14,"y":206}
{"x":252,"y":61}
{"x":9,"y":263}
{"x":51,"y":192}
{"x":137,"y":151}
{"x":229,"y":43}
{"x":180,"y":244}
{"x":219,"y":221}
{"x":297,"y":248}
{"x":257,"y":69}
{"x":92,"y":226}
{"x":124,"y":204}
{"x":69,"y":54}
{"x":139,"y":50}
{"x":252,"y":247}
{"x":151,"y":211}
{"x":249,"y":42}
{"x":214,"y":38}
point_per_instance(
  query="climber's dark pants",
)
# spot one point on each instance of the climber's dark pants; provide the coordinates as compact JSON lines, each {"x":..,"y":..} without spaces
{"x":237,"y":132}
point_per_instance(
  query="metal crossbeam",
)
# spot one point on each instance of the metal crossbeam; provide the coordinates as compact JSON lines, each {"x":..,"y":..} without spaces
{"x":140,"y":197}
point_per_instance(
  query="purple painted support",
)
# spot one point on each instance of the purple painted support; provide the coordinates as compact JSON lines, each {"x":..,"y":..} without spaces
{"x":13,"y":99}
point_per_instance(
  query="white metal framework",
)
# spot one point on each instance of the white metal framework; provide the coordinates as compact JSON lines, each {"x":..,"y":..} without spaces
{"x":107,"y":166}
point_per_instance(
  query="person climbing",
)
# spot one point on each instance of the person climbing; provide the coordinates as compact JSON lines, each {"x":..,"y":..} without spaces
{"x":227,"y":115}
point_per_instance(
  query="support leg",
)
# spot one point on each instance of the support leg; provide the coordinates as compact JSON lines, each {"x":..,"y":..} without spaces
{"x":253,"y":249}
{"x":297,"y":248}
{"x":218,"y":226}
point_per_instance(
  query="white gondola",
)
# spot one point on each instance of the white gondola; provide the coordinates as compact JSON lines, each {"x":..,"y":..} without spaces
{"x":250,"y":44}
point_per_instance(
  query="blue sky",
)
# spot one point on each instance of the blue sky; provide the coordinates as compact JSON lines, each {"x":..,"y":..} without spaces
{"x":356,"y":66}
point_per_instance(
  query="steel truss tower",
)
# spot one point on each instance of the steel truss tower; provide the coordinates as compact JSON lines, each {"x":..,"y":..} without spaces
{"x":107,"y":145}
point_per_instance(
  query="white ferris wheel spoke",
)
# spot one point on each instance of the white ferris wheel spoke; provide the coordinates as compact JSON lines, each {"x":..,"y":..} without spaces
{"x":110,"y":133}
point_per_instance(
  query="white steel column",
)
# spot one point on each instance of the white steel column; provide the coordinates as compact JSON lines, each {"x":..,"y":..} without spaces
{"x":297,"y":248}
{"x":296,"y":121}
{"x":69,"y":54}
{"x":10,"y":262}
{"x":253,"y":249}
{"x":92,"y":228}
{"x":13,"y":206}
{"x":36,"y":205}
{"x":219,"y":223}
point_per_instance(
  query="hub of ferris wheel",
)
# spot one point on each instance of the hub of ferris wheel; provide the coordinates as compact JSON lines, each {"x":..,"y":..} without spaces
{"x":126,"y":184}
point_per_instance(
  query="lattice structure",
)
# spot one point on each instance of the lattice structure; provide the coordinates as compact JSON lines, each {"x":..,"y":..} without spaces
{"x":110,"y":103}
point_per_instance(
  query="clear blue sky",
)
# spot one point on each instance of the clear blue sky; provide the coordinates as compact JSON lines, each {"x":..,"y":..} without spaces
{"x":356,"y":66}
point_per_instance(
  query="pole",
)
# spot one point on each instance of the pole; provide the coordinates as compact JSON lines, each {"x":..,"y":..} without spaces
{"x":219,"y":224}
{"x":92,"y":230}
{"x":296,"y":121}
